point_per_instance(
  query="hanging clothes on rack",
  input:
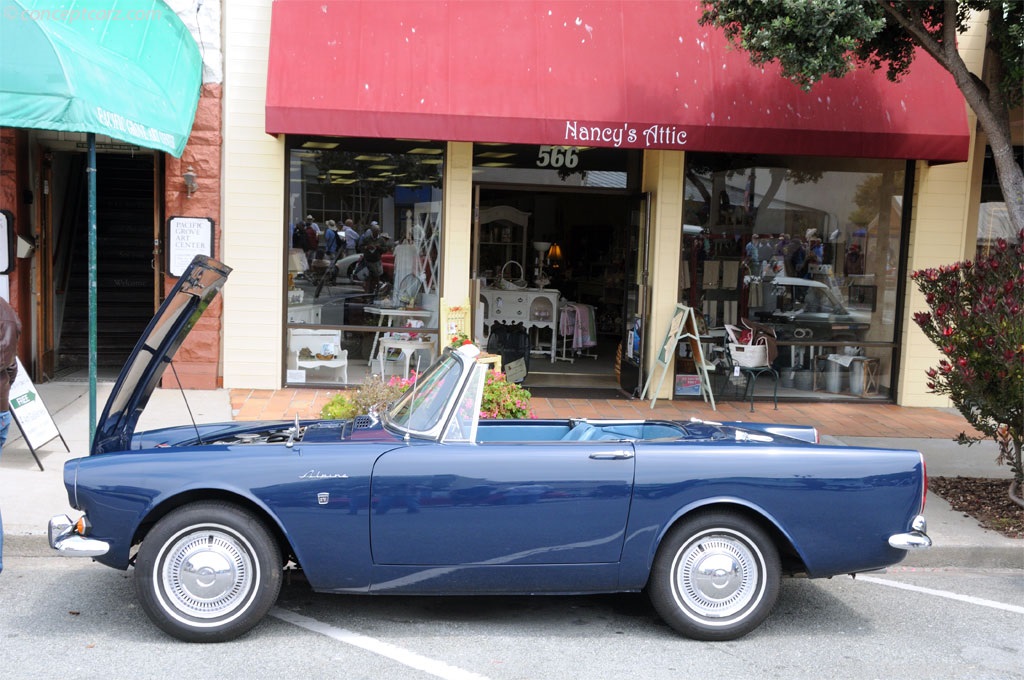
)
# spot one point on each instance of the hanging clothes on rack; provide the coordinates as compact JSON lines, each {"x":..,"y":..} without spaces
{"x":577,"y":321}
{"x":730,"y":274}
{"x":712,"y":268}
{"x":406,"y":262}
{"x":755,"y":294}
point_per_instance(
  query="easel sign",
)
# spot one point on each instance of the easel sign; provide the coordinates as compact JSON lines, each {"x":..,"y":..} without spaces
{"x":683,"y":325}
{"x":31,"y":415}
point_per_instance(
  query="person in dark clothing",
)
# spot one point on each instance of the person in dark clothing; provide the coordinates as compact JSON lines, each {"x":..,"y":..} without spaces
{"x":854,"y":265}
{"x":10,"y":331}
{"x":373,"y":251}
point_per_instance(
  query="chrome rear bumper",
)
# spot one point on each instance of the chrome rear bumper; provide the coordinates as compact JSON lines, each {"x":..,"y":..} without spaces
{"x":915,"y":539}
{"x":63,"y":539}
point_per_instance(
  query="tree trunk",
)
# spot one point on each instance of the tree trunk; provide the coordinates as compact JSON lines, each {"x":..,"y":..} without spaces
{"x":1015,"y":494}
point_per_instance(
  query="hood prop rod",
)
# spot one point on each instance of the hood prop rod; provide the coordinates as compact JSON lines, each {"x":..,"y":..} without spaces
{"x":185,"y":399}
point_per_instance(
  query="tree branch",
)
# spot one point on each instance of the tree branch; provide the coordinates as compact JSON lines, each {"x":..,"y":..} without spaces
{"x":915,"y":27}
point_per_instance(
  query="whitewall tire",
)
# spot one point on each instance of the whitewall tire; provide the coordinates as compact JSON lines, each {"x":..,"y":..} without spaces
{"x":208,"y":572}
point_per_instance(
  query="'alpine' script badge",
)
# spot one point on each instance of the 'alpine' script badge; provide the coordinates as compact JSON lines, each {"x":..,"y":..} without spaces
{"x":323,"y":498}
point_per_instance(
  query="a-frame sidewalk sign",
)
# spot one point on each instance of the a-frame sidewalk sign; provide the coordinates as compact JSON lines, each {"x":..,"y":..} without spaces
{"x":682,"y":327}
{"x":31,"y":415}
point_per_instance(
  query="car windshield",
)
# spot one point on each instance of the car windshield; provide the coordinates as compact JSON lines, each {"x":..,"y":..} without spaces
{"x":422,"y":406}
{"x":807,"y":296}
{"x":822,"y":300}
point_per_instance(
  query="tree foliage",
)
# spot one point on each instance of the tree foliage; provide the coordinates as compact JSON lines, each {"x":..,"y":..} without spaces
{"x":977,"y":322}
{"x":814,"y":39}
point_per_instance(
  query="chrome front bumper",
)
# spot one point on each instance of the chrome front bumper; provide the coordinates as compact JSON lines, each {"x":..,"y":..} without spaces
{"x":915,"y":539}
{"x":64,"y":539}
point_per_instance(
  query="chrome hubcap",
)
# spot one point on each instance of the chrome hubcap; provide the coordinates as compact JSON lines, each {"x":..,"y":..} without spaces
{"x":717,"y":575}
{"x":207,"y":573}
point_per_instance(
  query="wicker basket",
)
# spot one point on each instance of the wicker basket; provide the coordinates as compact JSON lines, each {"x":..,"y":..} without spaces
{"x":506,"y":282}
{"x":749,"y":356}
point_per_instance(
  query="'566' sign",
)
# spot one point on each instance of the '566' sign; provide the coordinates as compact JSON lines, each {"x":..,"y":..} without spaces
{"x":558,"y":157}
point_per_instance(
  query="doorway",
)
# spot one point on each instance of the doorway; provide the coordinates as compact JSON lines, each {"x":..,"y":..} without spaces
{"x":126,"y":211}
{"x":582,"y":244}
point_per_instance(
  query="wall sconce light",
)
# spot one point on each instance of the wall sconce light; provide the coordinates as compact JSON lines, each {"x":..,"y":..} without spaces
{"x":190,"y":181}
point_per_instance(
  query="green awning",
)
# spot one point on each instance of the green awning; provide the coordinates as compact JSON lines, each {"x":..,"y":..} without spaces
{"x":129,"y":70}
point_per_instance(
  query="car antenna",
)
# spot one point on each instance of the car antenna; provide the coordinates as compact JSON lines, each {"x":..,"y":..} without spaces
{"x":412,"y":402}
{"x":181,"y":389}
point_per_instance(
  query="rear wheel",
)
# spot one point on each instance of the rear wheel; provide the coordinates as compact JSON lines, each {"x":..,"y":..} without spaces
{"x":715,"y":577}
{"x":208,"y":572}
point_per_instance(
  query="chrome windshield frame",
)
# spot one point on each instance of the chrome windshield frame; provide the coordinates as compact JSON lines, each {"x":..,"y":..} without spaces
{"x":462,"y":361}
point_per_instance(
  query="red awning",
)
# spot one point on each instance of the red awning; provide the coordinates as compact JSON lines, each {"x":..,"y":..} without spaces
{"x":613,"y":74}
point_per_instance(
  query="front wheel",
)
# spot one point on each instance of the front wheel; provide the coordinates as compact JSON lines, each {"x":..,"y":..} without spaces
{"x":208,"y":572}
{"x":715,"y":577}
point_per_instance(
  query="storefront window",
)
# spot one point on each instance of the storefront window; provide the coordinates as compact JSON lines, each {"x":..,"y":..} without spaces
{"x":993,"y":218}
{"x":363,"y":235}
{"x":805,"y":249}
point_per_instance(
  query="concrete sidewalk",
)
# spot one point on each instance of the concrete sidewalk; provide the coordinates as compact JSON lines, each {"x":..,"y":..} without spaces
{"x":29,"y":497}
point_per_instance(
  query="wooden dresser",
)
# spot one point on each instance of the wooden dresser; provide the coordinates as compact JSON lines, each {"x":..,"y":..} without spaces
{"x":535,"y":308}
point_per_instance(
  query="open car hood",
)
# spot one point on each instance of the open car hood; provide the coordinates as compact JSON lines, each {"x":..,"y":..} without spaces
{"x":180,"y":311}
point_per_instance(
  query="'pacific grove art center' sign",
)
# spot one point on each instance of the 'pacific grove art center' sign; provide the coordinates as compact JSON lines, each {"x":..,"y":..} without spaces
{"x":186,"y":238}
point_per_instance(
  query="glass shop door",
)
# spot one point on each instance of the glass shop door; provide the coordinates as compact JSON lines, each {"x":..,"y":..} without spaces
{"x":635,"y":297}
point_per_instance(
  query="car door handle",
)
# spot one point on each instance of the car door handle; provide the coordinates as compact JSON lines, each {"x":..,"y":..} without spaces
{"x":612,"y":455}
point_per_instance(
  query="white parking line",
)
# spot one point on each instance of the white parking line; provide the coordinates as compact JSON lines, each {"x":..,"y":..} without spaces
{"x":403,"y":656}
{"x":943,"y":593}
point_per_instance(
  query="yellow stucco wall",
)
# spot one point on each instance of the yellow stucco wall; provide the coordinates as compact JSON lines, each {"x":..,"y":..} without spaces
{"x":457,"y":221}
{"x":663,"y":178}
{"x":943,"y":230}
{"x":253,"y":205}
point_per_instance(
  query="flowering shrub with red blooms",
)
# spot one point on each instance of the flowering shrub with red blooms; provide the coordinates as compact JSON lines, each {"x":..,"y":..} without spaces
{"x":977,"y":321}
{"x":503,"y":399}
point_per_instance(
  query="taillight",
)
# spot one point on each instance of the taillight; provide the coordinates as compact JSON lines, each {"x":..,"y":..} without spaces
{"x":924,"y":485}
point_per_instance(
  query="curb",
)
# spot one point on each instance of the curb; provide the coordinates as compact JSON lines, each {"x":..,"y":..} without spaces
{"x":967,"y":557}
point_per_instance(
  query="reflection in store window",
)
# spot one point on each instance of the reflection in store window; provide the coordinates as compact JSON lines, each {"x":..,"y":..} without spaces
{"x":809,"y":246}
{"x":993,"y":217}
{"x":363,"y":237}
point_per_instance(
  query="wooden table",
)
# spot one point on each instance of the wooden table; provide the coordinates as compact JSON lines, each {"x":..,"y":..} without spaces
{"x":390,"y":313}
{"x":407,"y":347}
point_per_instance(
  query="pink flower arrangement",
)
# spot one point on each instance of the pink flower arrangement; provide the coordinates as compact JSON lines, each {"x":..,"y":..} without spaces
{"x":503,"y":399}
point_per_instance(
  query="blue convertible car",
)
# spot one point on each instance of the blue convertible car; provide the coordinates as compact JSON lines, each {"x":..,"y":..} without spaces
{"x":428,"y":499}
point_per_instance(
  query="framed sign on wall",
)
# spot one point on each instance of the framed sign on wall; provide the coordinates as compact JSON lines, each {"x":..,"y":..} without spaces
{"x":186,"y":238}
{"x":7,"y":247}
